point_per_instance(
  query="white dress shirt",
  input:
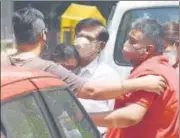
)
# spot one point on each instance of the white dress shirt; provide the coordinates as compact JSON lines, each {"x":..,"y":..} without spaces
{"x":98,"y":72}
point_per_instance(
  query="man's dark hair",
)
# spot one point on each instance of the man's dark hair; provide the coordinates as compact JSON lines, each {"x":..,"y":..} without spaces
{"x":63,"y":52}
{"x":28,"y":23}
{"x":151,"y":29}
{"x":89,"y":22}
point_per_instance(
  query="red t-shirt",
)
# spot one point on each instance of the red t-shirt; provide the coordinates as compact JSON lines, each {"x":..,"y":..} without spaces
{"x":161,"y":119}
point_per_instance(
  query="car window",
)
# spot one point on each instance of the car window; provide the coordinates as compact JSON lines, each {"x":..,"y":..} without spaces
{"x":69,"y":115}
{"x":22,"y":118}
{"x":162,"y":14}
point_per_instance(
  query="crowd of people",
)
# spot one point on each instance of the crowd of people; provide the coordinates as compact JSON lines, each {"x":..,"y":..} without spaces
{"x":128,"y":109}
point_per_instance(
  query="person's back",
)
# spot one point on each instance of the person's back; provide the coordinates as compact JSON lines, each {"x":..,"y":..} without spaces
{"x":31,"y":35}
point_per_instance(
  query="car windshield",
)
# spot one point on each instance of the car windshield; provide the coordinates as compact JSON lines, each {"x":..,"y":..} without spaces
{"x":69,"y":115}
{"x":162,"y":14}
{"x":52,"y":112}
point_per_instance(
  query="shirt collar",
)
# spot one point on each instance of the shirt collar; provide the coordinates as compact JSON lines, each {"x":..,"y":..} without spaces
{"x":91,"y":67}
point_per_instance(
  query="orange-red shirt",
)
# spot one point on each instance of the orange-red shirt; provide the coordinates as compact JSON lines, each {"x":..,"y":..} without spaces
{"x":161,"y":119}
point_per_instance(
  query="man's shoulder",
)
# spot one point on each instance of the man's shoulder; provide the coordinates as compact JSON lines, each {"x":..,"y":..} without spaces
{"x":43,"y":60}
{"x":39,"y":63}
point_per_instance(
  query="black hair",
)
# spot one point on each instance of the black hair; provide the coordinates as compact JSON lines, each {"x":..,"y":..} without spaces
{"x":151,"y":29}
{"x":90,"y":22}
{"x":63,"y":52}
{"x":28,"y":23}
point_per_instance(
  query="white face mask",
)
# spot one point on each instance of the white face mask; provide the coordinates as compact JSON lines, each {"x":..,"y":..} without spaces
{"x":172,"y":56}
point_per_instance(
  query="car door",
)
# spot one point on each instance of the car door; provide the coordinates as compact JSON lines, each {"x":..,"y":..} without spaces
{"x":21,"y":117}
{"x":48,"y":113}
{"x":68,"y":114}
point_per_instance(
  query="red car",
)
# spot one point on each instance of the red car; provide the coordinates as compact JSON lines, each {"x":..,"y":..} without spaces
{"x":36,"y":104}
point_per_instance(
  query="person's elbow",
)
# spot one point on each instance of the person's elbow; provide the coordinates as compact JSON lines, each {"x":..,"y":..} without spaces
{"x":89,"y":91}
{"x":95,"y":94}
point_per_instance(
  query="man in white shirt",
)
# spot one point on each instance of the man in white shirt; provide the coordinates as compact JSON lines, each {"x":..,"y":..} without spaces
{"x":90,"y":39}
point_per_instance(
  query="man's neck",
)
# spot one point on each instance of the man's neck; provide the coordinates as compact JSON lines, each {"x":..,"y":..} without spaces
{"x":29,"y":49}
{"x":137,"y":63}
{"x":85,"y":63}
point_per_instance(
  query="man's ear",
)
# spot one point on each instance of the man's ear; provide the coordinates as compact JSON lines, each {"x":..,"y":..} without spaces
{"x":43,"y":36}
{"x":102,"y":45}
{"x":150,"y":49}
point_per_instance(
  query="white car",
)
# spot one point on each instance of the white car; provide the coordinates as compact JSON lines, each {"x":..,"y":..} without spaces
{"x":123,"y":14}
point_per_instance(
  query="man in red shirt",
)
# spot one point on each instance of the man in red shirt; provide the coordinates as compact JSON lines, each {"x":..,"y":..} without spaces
{"x":140,"y":114}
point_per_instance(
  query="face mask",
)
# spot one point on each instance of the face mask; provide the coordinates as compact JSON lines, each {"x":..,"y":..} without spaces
{"x":87,"y":50}
{"x":172,"y":56}
{"x":90,"y":53}
{"x":133,"y":55}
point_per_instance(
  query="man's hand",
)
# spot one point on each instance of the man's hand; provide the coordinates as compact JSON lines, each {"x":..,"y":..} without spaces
{"x":104,"y":91}
{"x":152,"y":83}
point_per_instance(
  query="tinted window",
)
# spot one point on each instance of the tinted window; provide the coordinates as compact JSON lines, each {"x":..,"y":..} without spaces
{"x":65,"y":110}
{"x":22,"y":118}
{"x":163,"y":14}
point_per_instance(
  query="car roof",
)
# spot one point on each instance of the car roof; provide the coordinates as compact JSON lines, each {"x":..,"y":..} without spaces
{"x":146,"y":4}
{"x":17,"y":80}
{"x":12,"y":74}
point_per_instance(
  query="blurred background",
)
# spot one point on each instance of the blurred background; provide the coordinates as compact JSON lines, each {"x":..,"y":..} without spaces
{"x":53,"y":10}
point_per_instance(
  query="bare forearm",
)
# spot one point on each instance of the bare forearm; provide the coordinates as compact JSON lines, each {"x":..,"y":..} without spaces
{"x":99,"y":91}
{"x":115,"y":119}
{"x":120,"y":118}
{"x":108,"y":91}
{"x":104,"y":91}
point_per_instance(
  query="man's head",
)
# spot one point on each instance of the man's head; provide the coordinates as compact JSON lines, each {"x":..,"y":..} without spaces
{"x":145,"y":40}
{"x":67,"y":56}
{"x":29,"y":29}
{"x":91,"y":37}
{"x":171,"y":36}
{"x":171,"y":42}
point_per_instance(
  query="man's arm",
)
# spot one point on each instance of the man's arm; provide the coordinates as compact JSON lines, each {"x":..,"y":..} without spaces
{"x":120,"y":118}
{"x":104,"y":91}
{"x":74,"y":82}
{"x":129,"y":115}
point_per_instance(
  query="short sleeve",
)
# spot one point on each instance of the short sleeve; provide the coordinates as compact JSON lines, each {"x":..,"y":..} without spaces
{"x":142,"y":98}
{"x":74,"y":82}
